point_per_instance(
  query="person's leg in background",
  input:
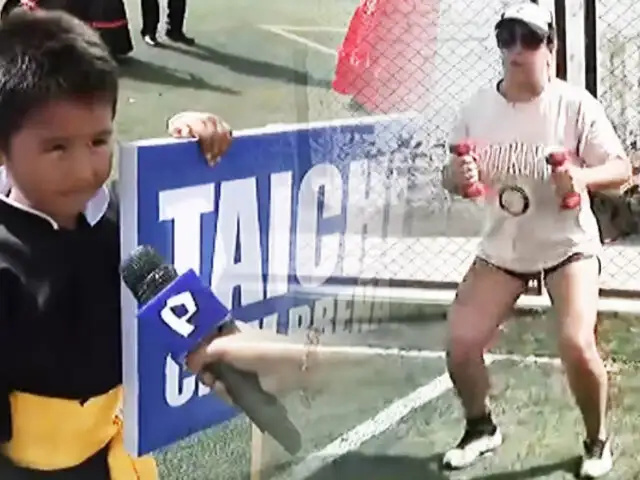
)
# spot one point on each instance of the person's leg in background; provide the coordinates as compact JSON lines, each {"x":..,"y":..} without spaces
{"x":109,"y":18}
{"x":177,"y":10}
{"x":574,"y":290}
{"x":483,"y":302}
{"x":150,"y":11}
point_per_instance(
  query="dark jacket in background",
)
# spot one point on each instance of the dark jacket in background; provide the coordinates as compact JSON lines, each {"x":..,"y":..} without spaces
{"x":109,"y":17}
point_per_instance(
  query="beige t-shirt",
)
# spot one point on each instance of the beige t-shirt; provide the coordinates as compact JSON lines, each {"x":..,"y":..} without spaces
{"x":526,"y":230}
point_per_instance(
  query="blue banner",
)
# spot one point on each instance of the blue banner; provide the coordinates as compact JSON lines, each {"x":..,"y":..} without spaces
{"x":265,"y":228}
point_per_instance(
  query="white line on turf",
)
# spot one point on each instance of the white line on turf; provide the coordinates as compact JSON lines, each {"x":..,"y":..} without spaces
{"x":383,"y":421}
{"x":316,"y":28}
{"x":299,"y":39}
{"x":394,"y":413}
{"x":407,"y":353}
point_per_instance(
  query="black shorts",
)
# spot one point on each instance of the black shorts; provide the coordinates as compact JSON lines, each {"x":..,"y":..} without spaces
{"x":528,"y":277}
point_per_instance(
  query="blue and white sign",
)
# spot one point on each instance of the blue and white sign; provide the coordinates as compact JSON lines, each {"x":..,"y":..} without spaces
{"x":281,"y":215}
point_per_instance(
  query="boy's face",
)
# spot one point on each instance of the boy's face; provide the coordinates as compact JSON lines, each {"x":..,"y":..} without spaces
{"x":62,"y":155}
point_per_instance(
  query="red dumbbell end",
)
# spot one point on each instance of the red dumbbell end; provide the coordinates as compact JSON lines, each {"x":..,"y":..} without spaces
{"x":475,"y":190}
{"x":462,"y":149}
{"x":557,"y":159}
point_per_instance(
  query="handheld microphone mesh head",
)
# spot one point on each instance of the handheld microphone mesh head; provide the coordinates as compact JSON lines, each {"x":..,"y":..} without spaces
{"x":145,"y":273}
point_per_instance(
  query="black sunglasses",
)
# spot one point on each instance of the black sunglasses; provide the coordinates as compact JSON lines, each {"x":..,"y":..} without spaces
{"x":511,"y":34}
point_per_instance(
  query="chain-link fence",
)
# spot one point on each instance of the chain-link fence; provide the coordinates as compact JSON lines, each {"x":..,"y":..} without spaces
{"x":404,"y":56}
{"x":423,"y":58}
{"x":429,"y":57}
{"x":616,"y":37}
{"x":397,"y":57}
{"x":618,"y":33}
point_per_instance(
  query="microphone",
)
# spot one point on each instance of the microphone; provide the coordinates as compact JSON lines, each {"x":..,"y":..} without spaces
{"x":190,"y":314}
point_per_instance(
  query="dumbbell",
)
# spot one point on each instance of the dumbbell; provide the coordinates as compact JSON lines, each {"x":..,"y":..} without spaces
{"x":475,"y":189}
{"x":557,"y":160}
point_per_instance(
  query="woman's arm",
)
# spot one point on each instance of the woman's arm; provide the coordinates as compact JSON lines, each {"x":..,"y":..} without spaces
{"x":613,"y":174}
{"x":459,"y":133}
{"x":607,"y":165}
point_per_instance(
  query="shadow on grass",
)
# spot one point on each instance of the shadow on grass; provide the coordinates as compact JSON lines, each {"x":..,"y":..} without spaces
{"x":569,"y":465}
{"x":252,"y":66}
{"x":356,"y":466}
{"x":148,"y":72}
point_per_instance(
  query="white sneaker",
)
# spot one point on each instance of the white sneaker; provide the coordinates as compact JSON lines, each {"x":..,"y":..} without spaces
{"x":478,"y":440}
{"x":597,"y":459}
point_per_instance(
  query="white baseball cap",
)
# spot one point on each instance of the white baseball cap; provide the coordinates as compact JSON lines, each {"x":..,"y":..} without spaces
{"x":537,"y":17}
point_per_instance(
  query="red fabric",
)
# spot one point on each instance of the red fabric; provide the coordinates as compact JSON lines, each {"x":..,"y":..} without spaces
{"x":388,"y":53}
{"x":29,"y":4}
{"x":355,"y":53}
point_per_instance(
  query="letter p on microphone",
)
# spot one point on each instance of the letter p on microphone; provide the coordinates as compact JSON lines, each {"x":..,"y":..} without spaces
{"x":178,"y":312}
{"x":183,"y":314}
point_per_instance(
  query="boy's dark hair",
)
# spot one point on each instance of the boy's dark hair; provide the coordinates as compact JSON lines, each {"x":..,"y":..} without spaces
{"x":47,"y":56}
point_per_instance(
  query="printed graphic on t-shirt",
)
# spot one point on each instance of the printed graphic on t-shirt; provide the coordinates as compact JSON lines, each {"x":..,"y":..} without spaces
{"x":508,"y":161}
{"x":511,"y":169}
{"x":514,"y":200}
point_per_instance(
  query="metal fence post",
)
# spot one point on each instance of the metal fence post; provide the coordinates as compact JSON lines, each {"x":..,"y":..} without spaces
{"x":590,"y":47}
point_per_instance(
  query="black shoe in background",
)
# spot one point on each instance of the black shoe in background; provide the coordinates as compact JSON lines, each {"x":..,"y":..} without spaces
{"x":181,"y":37}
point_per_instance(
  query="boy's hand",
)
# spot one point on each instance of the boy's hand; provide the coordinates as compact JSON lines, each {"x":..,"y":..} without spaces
{"x":212,"y":132}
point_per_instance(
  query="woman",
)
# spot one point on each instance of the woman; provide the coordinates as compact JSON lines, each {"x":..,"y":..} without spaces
{"x":386,"y":57}
{"x":108,"y":17}
{"x":519,"y":120}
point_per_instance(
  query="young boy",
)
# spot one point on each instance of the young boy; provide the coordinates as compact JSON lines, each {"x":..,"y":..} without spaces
{"x":61,"y":373}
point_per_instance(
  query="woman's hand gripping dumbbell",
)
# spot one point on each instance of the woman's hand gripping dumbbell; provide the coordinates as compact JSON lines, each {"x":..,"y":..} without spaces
{"x":557,"y":161}
{"x":466,"y":169}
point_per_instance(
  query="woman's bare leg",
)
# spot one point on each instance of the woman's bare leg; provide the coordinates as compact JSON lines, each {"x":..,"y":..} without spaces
{"x":574,"y":290}
{"x":483,"y":301}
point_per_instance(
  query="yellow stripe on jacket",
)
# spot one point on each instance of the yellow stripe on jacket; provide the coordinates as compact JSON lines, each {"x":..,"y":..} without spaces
{"x":54,"y":433}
